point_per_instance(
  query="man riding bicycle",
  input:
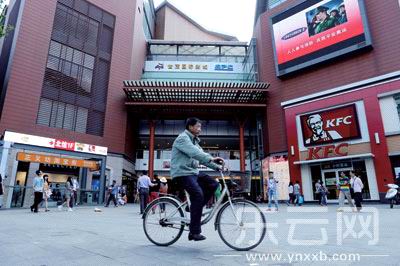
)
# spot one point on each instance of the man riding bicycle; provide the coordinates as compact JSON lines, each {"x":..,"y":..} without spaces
{"x":185,"y":159}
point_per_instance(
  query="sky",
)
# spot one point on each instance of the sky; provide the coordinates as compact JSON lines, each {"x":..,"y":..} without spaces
{"x":232,"y":17}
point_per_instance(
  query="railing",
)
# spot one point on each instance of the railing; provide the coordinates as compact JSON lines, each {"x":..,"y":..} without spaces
{"x":165,"y":164}
{"x":22,"y":196}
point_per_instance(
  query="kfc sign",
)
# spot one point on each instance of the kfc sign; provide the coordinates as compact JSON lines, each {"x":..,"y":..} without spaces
{"x":330,"y":126}
{"x":316,"y":153}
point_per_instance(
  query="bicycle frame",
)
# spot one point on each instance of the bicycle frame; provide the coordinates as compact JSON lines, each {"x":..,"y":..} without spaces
{"x":209,"y":215}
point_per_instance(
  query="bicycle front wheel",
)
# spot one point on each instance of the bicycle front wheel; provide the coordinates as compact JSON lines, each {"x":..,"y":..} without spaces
{"x":241,"y":225}
{"x":163,"y":221}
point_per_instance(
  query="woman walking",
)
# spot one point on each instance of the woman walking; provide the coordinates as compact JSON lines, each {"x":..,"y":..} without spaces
{"x":291,"y":195}
{"x":68,"y":192}
{"x":46,"y":192}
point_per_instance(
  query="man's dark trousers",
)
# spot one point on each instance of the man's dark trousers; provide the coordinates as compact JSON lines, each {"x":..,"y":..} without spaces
{"x":144,"y":197}
{"x":200,"y":188}
{"x":37,"y":200}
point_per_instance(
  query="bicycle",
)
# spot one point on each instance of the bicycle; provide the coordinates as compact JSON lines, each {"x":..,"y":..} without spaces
{"x":165,"y":219}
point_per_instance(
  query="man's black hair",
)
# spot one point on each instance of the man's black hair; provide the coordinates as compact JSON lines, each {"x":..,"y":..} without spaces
{"x":38,"y":172}
{"x":144,"y":172}
{"x":191,"y":121}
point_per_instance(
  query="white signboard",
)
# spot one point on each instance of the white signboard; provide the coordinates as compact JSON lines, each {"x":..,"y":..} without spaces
{"x":205,"y":67}
{"x":54,"y":143}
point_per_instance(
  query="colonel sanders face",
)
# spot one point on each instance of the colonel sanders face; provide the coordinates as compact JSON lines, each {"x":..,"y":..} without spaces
{"x":315,"y":123}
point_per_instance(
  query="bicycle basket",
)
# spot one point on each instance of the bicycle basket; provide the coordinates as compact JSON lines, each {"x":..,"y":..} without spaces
{"x":241,"y":182}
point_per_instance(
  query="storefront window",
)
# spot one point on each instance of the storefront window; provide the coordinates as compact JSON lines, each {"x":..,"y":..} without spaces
{"x":329,"y":172}
{"x":397,"y":99}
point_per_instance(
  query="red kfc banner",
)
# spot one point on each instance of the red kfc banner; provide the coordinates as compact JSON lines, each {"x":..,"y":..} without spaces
{"x":329,"y":126}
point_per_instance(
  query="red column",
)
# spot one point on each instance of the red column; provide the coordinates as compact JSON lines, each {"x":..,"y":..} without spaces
{"x":241,"y":143}
{"x":151,"y":148}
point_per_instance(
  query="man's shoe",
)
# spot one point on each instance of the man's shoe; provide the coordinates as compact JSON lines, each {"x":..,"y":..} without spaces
{"x":31,"y":209}
{"x":196,"y":237}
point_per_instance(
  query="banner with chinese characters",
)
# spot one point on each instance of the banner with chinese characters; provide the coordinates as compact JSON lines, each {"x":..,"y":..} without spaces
{"x":315,"y":29}
{"x":54,"y":143}
{"x":179,"y":66}
{"x":56,"y":160}
{"x":279,"y":165}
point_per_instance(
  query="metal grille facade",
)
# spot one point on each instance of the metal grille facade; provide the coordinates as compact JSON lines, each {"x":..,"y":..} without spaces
{"x":196,"y":93}
{"x":74,"y":92}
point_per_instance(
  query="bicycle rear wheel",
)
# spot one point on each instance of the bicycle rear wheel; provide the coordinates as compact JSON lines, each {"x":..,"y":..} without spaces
{"x":241,"y":225}
{"x":162,"y":221}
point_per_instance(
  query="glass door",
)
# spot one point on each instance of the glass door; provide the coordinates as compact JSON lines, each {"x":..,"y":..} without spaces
{"x":329,"y":179}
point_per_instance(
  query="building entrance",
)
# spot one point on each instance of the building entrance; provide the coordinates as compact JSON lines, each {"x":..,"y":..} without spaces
{"x":330,"y":178}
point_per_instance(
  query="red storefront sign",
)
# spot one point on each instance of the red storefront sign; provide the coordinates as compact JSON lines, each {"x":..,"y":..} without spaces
{"x":328,"y":151}
{"x":330,"y":126}
{"x":64,"y":145}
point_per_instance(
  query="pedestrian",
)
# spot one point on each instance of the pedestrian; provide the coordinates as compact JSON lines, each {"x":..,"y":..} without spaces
{"x":317,"y":193}
{"x":291,"y":195}
{"x":46,"y":192}
{"x":68,"y":193}
{"x":272,"y":191}
{"x":163,"y":187}
{"x":297,"y":193}
{"x":75,"y":188}
{"x":1,"y":191}
{"x":163,"y":191}
{"x":113,"y":189}
{"x":357,"y":186}
{"x":154,"y":190}
{"x":144,"y":183}
{"x":343,"y":185}
{"x":38,"y":184}
{"x":323,"y":191}
{"x":16,"y":193}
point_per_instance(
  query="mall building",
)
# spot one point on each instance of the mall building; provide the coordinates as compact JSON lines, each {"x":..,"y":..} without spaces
{"x":98,"y":90}
{"x":334,"y":98}
{"x":108,"y":88}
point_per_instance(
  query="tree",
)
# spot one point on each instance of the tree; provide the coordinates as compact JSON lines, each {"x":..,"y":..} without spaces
{"x":4,"y":29}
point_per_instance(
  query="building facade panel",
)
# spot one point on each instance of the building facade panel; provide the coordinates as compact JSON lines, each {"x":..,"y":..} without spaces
{"x":340,"y":71}
{"x":370,"y":157}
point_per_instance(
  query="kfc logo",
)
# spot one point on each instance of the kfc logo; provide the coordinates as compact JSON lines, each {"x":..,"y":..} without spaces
{"x":330,"y":126}
{"x":319,"y":134}
{"x":328,"y":151}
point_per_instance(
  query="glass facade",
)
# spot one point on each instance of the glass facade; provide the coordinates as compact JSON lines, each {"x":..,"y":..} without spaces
{"x":197,"y":53}
{"x":74,"y":93}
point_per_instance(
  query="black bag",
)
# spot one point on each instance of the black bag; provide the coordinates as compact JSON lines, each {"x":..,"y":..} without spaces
{"x":352,"y":192}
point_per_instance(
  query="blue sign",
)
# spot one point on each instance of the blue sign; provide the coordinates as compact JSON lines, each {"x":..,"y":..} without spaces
{"x":223,"y":67}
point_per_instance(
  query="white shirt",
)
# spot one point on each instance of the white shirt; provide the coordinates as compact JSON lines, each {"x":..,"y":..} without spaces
{"x":75,"y":184}
{"x":144,"y":182}
{"x":358,"y":184}
{"x":290,"y":189}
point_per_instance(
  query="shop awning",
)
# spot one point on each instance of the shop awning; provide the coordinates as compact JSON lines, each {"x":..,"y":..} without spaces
{"x":365,"y":155}
{"x":169,"y":93}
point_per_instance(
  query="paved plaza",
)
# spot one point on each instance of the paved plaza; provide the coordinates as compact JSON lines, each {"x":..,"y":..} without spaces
{"x":115,"y":237}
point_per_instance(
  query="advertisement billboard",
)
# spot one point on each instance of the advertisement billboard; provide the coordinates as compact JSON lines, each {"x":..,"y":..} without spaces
{"x":318,"y":30}
{"x":330,"y":126}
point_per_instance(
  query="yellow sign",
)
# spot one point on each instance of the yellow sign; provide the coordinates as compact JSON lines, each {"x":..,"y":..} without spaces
{"x":48,"y":159}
